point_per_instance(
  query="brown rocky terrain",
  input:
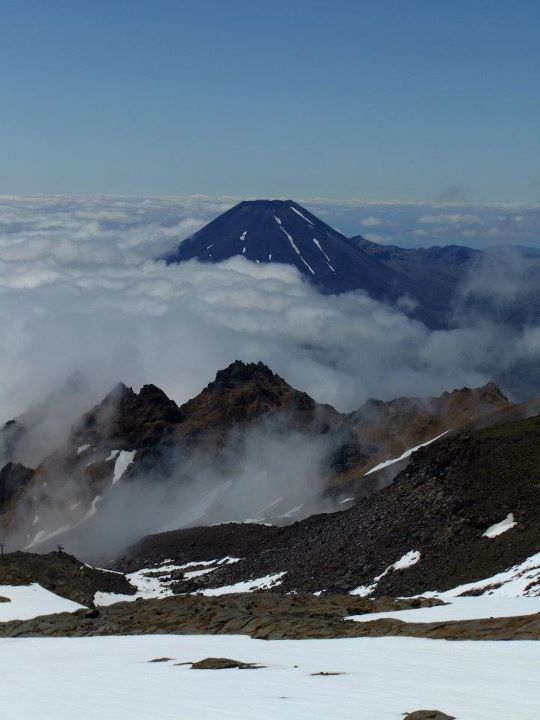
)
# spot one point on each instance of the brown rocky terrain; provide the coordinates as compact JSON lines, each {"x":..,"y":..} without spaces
{"x":268,"y":616}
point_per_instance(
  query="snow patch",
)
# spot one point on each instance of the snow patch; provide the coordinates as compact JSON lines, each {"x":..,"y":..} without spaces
{"x":318,"y":244}
{"x":155,"y":582}
{"x":404,"y":562}
{"x":93,"y":508}
{"x":521,"y":580}
{"x":82,"y":448}
{"x":301,"y":215}
{"x":263,"y":583}
{"x":123,"y":461}
{"x":406,"y":454}
{"x":470,"y":608}
{"x":293,"y":511}
{"x":30,"y":601}
{"x":294,"y":246}
{"x":501,"y":527}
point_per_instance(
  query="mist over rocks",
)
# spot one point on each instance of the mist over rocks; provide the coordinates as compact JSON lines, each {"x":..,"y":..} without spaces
{"x":248,"y":447}
{"x":424,"y":532}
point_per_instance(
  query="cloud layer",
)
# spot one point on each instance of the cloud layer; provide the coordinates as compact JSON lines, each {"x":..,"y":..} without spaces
{"x":79,"y":291}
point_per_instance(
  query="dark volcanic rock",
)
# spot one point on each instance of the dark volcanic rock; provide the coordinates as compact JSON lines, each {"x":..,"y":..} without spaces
{"x":63,"y":575}
{"x":199,"y":544}
{"x":439,"y":507}
{"x":13,"y":480}
{"x":428,"y":715}
{"x":125,"y":419}
{"x":212,"y":663}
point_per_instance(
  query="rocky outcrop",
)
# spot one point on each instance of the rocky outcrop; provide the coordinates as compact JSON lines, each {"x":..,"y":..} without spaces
{"x":268,"y":616}
{"x":128,"y":420}
{"x":14,"y":478}
{"x":156,"y":444}
{"x":63,"y":575}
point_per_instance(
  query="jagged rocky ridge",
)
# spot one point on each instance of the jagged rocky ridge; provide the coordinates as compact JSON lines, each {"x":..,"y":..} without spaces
{"x":145,"y":438}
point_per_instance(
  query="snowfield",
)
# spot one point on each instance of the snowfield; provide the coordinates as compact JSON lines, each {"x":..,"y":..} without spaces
{"x":110,"y":678}
{"x":30,"y":601}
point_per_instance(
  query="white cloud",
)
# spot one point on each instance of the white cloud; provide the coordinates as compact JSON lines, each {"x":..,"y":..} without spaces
{"x":371,"y":221}
{"x":454,"y":219}
{"x":79,"y":291}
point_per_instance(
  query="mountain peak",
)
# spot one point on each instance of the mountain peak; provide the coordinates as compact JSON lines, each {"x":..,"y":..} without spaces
{"x":282,"y":231}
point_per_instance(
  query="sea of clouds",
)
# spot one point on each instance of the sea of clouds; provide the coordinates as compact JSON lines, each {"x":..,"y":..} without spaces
{"x":80,"y":291}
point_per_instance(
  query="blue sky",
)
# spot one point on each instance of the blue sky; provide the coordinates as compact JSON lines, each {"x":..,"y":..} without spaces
{"x":418,"y":100}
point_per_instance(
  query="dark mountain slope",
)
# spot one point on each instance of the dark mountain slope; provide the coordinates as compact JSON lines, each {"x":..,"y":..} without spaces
{"x":439,"y":506}
{"x":499,"y":283}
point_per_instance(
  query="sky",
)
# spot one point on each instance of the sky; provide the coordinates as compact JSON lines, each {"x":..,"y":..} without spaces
{"x":415,"y":101}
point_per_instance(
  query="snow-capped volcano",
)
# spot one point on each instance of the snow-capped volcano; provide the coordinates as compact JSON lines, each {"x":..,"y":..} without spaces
{"x":282,"y":231}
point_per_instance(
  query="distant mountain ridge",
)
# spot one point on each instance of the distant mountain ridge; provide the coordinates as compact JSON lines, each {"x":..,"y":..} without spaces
{"x":424,"y":283}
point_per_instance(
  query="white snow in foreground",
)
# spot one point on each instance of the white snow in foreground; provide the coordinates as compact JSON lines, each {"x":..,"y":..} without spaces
{"x":263,"y":583}
{"x":156,"y":583}
{"x":112,"y":455}
{"x":123,"y":461}
{"x":501,"y":527}
{"x":110,"y":678}
{"x":301,"y":215}
{"x":410,"y":558}
{"x":30,"y":601}
{"x":405,"y":455}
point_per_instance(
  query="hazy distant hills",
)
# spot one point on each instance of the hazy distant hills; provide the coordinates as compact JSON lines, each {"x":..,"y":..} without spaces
{"x":439,"y":271}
